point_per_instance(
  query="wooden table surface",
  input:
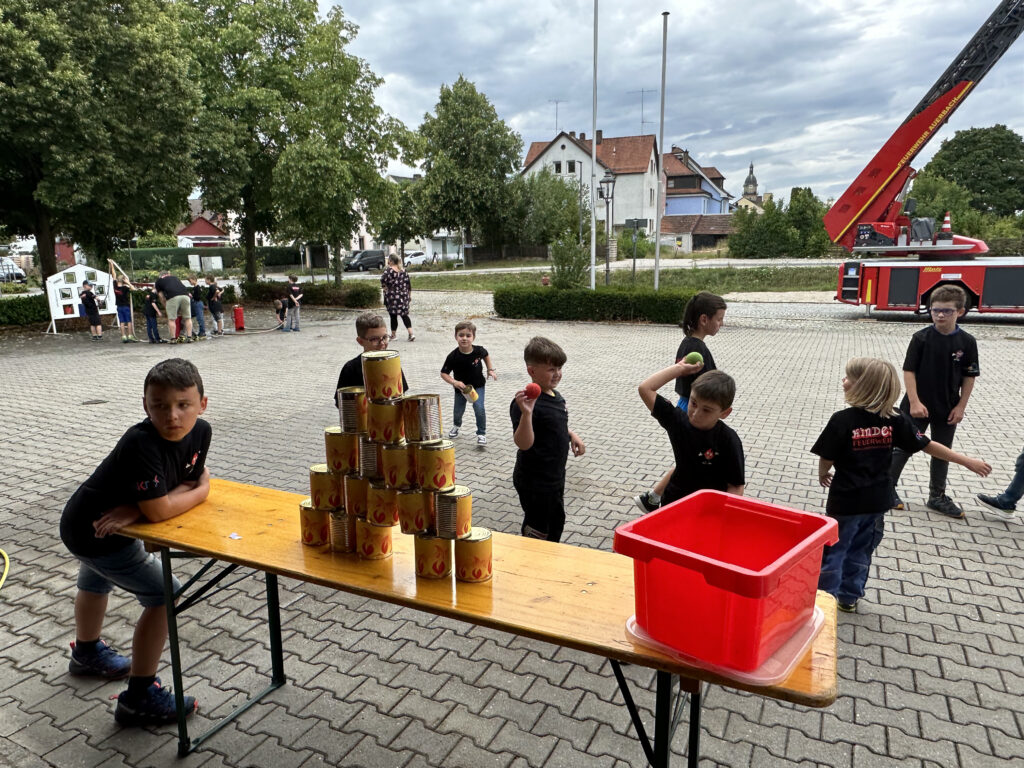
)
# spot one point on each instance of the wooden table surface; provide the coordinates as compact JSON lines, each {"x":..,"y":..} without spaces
{"x":571,"y":596}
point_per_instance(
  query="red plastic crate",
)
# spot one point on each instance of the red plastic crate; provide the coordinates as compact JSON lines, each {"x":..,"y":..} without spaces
{"x":725,"y":579}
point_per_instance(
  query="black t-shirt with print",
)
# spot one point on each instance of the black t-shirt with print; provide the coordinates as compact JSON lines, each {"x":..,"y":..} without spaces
{"x":940,"y":363}
{"x":122,"y":295}
{"x":170,"y":286}
{"x":293,"y":293}
{"x":352,"y":376}
{"x":196,"y":291}
{"x":149,"y":303}
{"x":89,"y":301}
{"x":142,"y":466}
{"x":859,"y":444}
{"x":543,"y":465}
{"x":710,"y":459}
{"x":688,"y":345}
{"x":212,"y":299}
{"x":466,"y":368}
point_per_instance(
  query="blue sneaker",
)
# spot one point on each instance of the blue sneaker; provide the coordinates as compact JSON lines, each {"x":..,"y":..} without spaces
{"x":103,"y":662}
{"x":154,"y":707}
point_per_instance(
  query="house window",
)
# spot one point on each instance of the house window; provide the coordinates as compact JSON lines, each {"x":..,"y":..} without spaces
{"x":572,"y":166}
{"x":558,"y":166}
{"x":671,"y":183}
{"x":650,"y":225}
{"x":652,"y":197}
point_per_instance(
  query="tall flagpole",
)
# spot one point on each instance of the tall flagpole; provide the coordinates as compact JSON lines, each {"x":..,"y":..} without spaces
{"x":659,"y":210}
{"x":593,"y":168}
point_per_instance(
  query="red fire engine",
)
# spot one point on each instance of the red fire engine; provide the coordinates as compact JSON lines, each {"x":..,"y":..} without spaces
{"x":871,"y":217}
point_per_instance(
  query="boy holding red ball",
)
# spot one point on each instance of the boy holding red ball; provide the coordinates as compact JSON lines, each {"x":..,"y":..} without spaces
{"x":540,"y":424}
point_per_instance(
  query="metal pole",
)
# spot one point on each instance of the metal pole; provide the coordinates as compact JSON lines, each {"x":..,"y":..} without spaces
{"x":579,"y":202}
{"x":593,"y":168}
{"x":661,"y":151}
{"x":607,"y":242}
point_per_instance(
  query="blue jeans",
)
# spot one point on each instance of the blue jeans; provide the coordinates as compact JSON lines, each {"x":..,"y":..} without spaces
{"x":132,"y":569}
{"x":478,"y":410}
{"x":1015,"y":490}
{"x":845,"y":564}
{"x":152,"y":329}
{"x":197,"y":313}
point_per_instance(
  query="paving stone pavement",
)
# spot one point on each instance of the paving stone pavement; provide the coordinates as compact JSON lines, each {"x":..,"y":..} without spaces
{"x":931,"y":672}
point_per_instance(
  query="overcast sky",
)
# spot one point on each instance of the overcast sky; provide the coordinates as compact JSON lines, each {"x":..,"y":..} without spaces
{"x":807,"y":91}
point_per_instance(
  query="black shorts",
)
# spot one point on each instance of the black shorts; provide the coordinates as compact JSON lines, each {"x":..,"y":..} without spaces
{"x":94,"y":318}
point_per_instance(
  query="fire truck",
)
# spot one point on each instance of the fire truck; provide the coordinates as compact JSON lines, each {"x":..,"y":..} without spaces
{"x":874,"y":216}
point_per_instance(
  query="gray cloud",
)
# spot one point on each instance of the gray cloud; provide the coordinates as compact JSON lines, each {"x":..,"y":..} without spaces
{"x":807,"y":91}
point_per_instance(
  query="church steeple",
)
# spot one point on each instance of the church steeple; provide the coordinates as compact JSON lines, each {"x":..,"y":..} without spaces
{"x":750,"y":184}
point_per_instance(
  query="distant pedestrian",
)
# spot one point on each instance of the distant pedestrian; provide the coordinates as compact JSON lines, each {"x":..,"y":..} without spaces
{"x":177,"y":301}
{"x":294,"y":300}
{"x":196,"y":295}
{"x":123,"y":301}
{"x":397,"y":294}
{"x":213,"y":294}
{"x":151,"y":311}
{"x":91,"y":310}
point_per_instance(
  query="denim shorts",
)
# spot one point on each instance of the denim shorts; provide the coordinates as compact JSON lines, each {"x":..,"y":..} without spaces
{"x":124,"y":314}
{"x":133,"y":569}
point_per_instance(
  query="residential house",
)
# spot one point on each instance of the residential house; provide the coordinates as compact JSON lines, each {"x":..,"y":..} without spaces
{"x":633,"y":160}
{"x":205,"y":228}
{"x":691,"y":188}
{"x":700,"y":232}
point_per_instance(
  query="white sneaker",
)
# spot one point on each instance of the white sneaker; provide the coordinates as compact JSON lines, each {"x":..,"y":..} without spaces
{"x":481,"y":439}
{"x":453,"y":432}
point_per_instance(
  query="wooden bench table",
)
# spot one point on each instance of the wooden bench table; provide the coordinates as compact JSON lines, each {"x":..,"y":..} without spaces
{"x":569,"y":596}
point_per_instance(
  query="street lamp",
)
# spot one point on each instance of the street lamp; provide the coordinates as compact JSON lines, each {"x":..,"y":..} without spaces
{"x":607,"y":192}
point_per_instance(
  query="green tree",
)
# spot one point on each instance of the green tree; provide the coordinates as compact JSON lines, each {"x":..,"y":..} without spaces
{"x":98,"y":112}
{"x":988,"y":163}
{"x":570,"y":262}
{"x":399,"y":220}
{"x":768,"y":235}
{"x":553,"y":207}
{"x":469,"y":153}
{"x":156,"y":240}
{"x":804,"y":214}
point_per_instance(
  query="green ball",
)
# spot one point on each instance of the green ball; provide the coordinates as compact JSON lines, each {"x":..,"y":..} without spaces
{"x":694,"y":357}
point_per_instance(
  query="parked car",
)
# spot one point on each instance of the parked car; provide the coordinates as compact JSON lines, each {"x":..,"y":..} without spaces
{"x":360,"y":261}
{"x":11,"y":272}
{"x":415,"y":258}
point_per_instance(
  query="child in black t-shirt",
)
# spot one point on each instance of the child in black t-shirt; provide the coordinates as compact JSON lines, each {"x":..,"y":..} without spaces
{"x":91,"y":310}
{"x":213,"y":294}
{"x":939,"y":373}
{"x":702,"y":317}
{"x":151,"y":311}
{"x":371,"y":335}
{"x":708,"y":453}
{"x":462,"y":369}
{"x":156,"y":471}
{"x":859,"y":443}
{"x":542,"y":435}
{"x":282,"y":313}
{"x":123,"y":303}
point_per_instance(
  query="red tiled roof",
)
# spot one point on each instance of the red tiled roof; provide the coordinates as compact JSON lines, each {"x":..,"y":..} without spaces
{"x":201,"y":226}
{"x":706,"y":224}
{"x":622,"y":154}
{"x":674,"y":166}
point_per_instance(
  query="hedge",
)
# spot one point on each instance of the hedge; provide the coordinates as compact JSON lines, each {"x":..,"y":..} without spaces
{"x":234,"y":258}
{"x":606,"y":303}
{"x":24,"y":310}
{"x":354,"y":293}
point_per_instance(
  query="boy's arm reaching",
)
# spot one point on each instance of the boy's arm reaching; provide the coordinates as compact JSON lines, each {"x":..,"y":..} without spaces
{"x":649,"y":387}
{"x":939,"y":451}
{"x":491,"y":370}
{"x":452,"y":380}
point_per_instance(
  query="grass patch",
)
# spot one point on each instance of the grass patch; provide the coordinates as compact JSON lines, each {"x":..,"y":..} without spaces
{"x":716,"y":280}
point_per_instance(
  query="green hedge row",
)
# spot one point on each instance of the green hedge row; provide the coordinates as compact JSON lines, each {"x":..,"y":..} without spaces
{"x":351,"y":293}
{"x":24,"y":310}
{"x":234,"y":258}
{"x":606,"y":303}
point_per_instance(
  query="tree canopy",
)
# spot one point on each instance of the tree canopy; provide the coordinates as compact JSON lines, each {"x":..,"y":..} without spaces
{"x":98,"y":109}
{"x":988,"y":163}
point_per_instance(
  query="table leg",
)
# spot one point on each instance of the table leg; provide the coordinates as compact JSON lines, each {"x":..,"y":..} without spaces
{"x":662,"y":720}
{"x":184,"y":744}
{"x":277,"y":678}
{"x":693,"y":750}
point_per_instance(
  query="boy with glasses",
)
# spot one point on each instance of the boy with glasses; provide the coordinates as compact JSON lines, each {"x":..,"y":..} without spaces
{"x":372,"y":335}
{"x":938,"y":372}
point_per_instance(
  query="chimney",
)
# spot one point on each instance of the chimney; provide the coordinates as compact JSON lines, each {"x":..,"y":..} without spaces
{"x":572,"y":134}
{"x":686,"y":156}
{"x":599,"y":135}
{"x":417,"y":176}
{"x":583,"y":136}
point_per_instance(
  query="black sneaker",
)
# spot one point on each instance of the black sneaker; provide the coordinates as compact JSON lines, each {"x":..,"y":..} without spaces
{"x":996,"y":510}
{"x":103,"y":662}
{"x":646,"y":503}
{"x":945,"y":506}
{"x":154,"y":707}
{"x":848,"y":607}
{"x":897,"y":502}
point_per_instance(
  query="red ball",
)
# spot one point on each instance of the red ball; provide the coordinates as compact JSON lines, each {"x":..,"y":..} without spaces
{"x":532,"y":391}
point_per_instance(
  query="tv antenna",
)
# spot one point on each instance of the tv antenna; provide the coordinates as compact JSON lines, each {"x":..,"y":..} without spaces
{"x":643,"y":91}
{"x":556,"y":102}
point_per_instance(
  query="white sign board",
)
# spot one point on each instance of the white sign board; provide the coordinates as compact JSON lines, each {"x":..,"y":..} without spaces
{"x":62,"y":291}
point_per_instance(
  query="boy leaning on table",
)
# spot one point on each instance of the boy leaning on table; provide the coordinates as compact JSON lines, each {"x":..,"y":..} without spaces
{"x":155,"y":472}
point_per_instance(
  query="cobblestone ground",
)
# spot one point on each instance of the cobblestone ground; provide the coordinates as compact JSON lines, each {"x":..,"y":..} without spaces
{"x":930,"y":667}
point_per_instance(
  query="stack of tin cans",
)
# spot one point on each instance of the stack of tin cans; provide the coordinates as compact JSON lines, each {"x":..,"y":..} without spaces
{"x":388,"y":464}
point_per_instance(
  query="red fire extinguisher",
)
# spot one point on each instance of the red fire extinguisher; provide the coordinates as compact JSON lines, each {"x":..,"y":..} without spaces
{"x":239,"y":318}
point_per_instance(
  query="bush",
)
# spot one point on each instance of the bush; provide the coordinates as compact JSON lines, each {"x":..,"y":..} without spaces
{"x":356,"y":293}
{"x":24,"y":310}
{"x":606,"y":303}
{"x":570,"y":262}
{"x":234,"y":258}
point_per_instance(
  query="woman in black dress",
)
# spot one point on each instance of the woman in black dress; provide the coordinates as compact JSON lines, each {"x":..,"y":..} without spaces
{"x":397,"y":294}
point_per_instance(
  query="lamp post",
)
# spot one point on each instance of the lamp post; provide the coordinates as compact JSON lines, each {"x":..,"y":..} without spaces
{"x":607,"y":192}
{"x":579,"y":198}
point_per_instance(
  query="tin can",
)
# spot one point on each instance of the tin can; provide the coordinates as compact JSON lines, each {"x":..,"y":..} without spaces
{"x":369,"y":459}
{"x":422,"y":415}
{"x":433,"y":557}
{"x":356,"y":488}
{"x":470,"y":393}
{"x":373,"y":542}
{"x":473,"y":556}
{"x":352,"y":409}
{"x":314,"y":524}
{"x":382,"y":374}
{"x":435,"y":465}
{"x":325,"y":488}
{"x":342,"y":450}
{"x":398,"y":461}
{"x":343,"y":532}
{"x":384,"y":422}
{"x":381,"y":505}
{"x":455,"y":513}
{"x":416,"y":511}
